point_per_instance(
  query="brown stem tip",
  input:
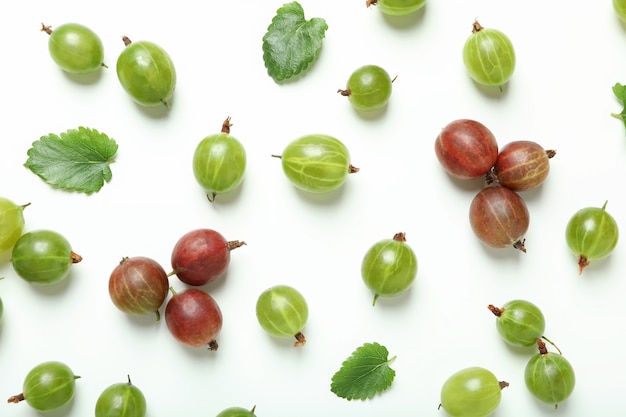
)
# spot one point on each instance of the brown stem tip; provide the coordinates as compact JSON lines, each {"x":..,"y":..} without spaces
{"x":503,"y":384}
{"x":369,"y":3}
{"x":352,"y":169}
{"x":476,"y":27}
{"x":300,"y":340}
{"x":126,"y":40}
{"x":520,"y":245}
{"x":213,"y":345}
{"x":583,"y":262}
{"x":551,"y":153}
{"x":345,"y":92}
{"x":234,"y":244}
{"x":76,"y":258}
{"x":495,"y":310}
{"x":16,"y":398}
{"x":400,"y":237}
{"x":226,"y":125}
{"x":47,"y":29}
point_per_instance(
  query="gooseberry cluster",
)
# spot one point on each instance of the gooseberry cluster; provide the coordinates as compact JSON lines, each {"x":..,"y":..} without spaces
{"x":498,"y":215}
{"x":549,"y":376}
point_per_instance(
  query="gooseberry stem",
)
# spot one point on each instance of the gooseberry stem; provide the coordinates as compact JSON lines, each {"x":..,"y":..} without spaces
{"x":300,"y":340}
{"x":549,"y":341}
{"x":234,"y":244}
{"x":226,"y":125}
{"x":76,"y":258}
{"x":503,"y":384}
{"x":16,"y":398}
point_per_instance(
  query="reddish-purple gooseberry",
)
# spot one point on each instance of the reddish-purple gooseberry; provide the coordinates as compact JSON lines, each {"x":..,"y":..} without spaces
{"x":521,"y":165}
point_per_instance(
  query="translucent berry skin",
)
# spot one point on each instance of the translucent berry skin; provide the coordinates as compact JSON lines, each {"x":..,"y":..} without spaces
{"x":591,"y":234}
{"x":466,"y":149}
{"x":194,"y":318}
{"x":397,"y":7}
{"x":219,"y":162}
{"x":489,"y":56}
{"x":48,"y":386}
{"x":236,"y":412}
{"x":499,"y":217}
{"x":316,"y":163}
{"x":122,"y":399}
{"x":389,"y":267}
{"x":147,"y":73}
{"x":522,"y":165}
{"x":282,"y":311}
{"x":11,"y":224}
{"x":43,"y":257}
{"x":550,"y":377}
{"x":75,"y":48}
{"x":519,"y":322}
{"x":471,"y":392}
{"x":201,"y":256}
{"x":368,"y":88}
{"x":138,"y":285}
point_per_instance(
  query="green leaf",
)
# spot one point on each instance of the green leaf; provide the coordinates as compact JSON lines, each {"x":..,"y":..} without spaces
{"x":291,"y":42}
{"x":364,"y":374}
{"x":76,"y":160}
{"x":620,"y":92}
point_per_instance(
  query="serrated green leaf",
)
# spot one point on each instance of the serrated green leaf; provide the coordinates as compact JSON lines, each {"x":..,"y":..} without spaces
{"x":292,"y":42}
{"x":76,"y":160}
{"x":364,"y":374}
{"x":619,"y":91}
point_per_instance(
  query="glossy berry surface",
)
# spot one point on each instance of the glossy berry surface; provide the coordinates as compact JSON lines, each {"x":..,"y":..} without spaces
{"x":75,"y":48}
{"x":471,"y":392}
{"x":43,"y":257}
{"x":48,"y":386}
{"x":316,"y":163}
{"x":237,"y":412}
{"x":146,"y":72}
{"x":202,"y":256}
{"x":521,"y":165}
{"x":389,"y":267}
{"x":11,"y":224}
{"x":219,"y":162}
{"x":138,"y":285}
{"x":591,"y":234}
{"x":489,"y":56}
{"x":499,"y":217}
{"x":194,"y":318}
{"x":549,"y":376}
{"x":122,"y":399}
{"x":519,"y":322}
{"x":283,"y":311}
{"x":397,"y":7}
{"x":368,"y":88}
{"x":466,"y":149}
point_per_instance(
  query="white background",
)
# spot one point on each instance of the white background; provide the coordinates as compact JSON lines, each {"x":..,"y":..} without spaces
{"x":569,"y":56}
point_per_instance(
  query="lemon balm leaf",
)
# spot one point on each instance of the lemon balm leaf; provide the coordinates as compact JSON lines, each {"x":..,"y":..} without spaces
{"x":75,"y":160}
{"x":364,"y":374}
{"x":292,"y":42}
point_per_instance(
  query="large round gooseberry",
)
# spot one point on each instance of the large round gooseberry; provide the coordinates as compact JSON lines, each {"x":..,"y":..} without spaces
{"x":138,"y":286}
{"x":389,"y":267}
{"x":368,"y":88}
{"x":122,"y":399}
{"x":219,"y":162}
{"x":619,"y":6}
{"x":146,"y":72}
{"x":43,"y":257}
{"x":471,"y":392}
{"x":316,"y":163}
{"x":75,"y":48}
{"x":549,"y":376}
{"x":48,"y":386}
{"x":397,"y":7}
{"x":466,"y":149}
{"x":591,"y":234}
{"x":201,"y":256}
{"x":283,"y":311}
{"x":499,"y":217}
{"x":194,"y":318}
{"x":489,"y":56}
{"x":519,"y":322}
{"x":521,"y":165}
